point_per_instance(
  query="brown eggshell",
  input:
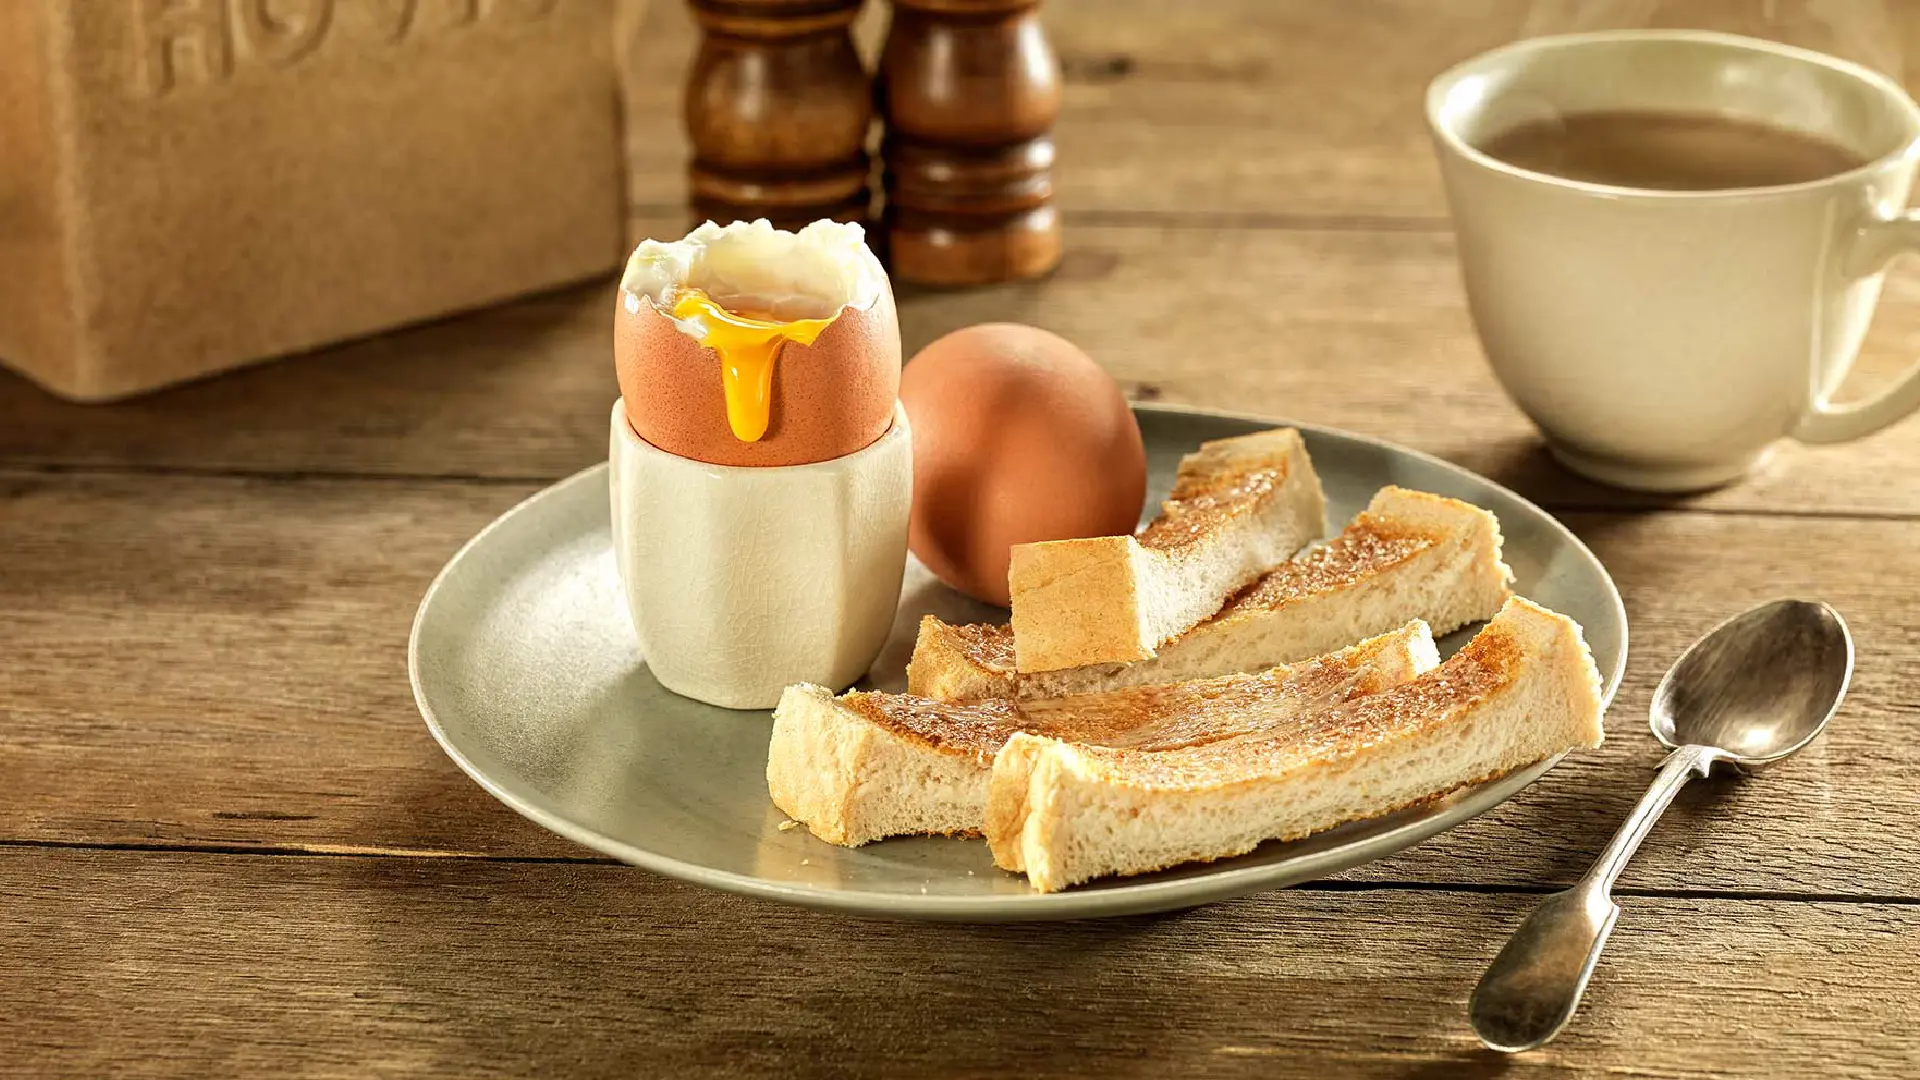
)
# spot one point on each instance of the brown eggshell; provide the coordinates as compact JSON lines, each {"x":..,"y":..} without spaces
{"x":1018,"y":436}
{"x":829,"y":398}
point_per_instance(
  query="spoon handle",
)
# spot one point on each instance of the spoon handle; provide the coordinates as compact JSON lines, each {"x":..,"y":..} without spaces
{"x":1532,"y":988}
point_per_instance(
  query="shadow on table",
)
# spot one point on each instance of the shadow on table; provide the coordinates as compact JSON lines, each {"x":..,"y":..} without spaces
{"x":1524,"y":465}
{"x":1467,"y":1065}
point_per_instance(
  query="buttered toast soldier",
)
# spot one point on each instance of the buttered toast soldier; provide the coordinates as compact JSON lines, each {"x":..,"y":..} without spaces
{"x":1409,"y":555}
{"x":1239,"y":506}
{"x":867,"y":765}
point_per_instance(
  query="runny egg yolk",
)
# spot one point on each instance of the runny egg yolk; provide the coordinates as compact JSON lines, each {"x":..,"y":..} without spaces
{"x":748,"y":344}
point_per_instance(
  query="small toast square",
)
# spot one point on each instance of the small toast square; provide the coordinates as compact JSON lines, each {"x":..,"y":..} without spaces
{"x":1238,"y":507}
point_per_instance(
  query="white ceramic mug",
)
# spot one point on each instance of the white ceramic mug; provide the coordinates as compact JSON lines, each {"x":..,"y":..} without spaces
{"x":1665,"y":340}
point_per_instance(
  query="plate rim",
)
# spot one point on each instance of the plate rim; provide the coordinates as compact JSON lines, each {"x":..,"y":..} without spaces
{"x":1129,"y":899}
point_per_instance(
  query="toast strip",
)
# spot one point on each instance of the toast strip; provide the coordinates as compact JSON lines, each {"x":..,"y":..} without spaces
{"x":1409,"y":555}
{"x":1238,"y":507}
{"x":868,"y":765}
{"x":1524,"y":689}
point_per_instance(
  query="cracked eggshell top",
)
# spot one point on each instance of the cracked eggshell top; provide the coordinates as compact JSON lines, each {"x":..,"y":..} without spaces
{"x":828,"y":399}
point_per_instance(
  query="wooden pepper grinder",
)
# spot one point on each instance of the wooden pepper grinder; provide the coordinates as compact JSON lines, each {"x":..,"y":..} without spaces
{"x":777,"y":107}
{"x":968,"y":91}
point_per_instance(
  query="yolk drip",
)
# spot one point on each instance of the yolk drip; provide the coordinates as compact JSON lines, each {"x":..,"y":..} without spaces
{"x":748,"y":345}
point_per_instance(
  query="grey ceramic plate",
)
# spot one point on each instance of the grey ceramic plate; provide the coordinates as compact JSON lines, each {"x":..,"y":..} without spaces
{"x":525,"y":667}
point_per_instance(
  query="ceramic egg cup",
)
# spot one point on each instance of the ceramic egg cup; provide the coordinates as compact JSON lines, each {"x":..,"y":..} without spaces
{"x":743,"y":580}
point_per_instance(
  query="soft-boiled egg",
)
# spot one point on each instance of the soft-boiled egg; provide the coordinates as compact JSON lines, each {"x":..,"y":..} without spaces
{"x":1018,"y":436}
{"x":744,"y":344}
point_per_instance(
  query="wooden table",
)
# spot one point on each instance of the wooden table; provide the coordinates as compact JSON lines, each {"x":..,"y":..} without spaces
{"x":228,"y":847}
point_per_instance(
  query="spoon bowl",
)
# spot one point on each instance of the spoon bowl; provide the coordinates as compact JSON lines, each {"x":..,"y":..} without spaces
{"x":1759,"y":686}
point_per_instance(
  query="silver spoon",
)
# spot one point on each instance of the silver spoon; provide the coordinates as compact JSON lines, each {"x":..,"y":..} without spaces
{"x":1758,"y":687}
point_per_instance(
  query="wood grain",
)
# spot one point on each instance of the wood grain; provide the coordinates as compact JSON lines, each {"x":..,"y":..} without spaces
{"x":1266,"y":110}
{"x":1361,"y":330}
{"x":166,"y":659}
{"x":220,"y":662}
{"x":352,"y":967}
{"x":204,"y":600}
{"x":1174,"y":116}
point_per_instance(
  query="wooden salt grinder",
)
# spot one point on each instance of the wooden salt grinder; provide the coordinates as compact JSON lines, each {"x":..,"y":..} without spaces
{"x":777,"y":107}
{"x":968,"y":91}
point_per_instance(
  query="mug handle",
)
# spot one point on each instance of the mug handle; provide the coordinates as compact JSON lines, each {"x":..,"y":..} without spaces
{"x":1875,"y":246}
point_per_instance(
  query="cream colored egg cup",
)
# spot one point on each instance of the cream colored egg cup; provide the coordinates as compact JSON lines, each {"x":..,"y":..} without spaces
{"x":741,"y":581}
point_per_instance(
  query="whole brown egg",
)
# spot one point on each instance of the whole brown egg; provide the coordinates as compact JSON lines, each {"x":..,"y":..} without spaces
{"x":1018,"y":436}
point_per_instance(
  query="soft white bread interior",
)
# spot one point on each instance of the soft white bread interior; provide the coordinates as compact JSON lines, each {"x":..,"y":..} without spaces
{"x":1523,"y":689}
{"x":1238,"y":507}
{"x":1409,"y":555}
{"x":853,"y":778}
{"x":868,"y":765}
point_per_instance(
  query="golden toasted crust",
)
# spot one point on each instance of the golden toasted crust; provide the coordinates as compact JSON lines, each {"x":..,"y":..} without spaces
{"x":1478,"y":671}
{"x":1370,"y":545}
{"x":988,"y":645}
{"x":1526,"y":688}
{"x":981,"y":653}
{"x":970,"y":662}
{"x":1148,"y":717}
{"x":977,"y":731}
{"x":1223,"y":480}
{"x":975,"y":661}
{"x":1194,"y":713}
{"x":1199,"y":505}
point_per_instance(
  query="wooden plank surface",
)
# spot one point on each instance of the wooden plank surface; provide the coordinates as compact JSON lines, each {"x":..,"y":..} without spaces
{"x":1263,"y":111}
{"x":352,"y":967}
{"x":1206,"y":97}
{"x":220,"y":662}
{"x":228,"y":847}
{"x":1361,"y":330}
